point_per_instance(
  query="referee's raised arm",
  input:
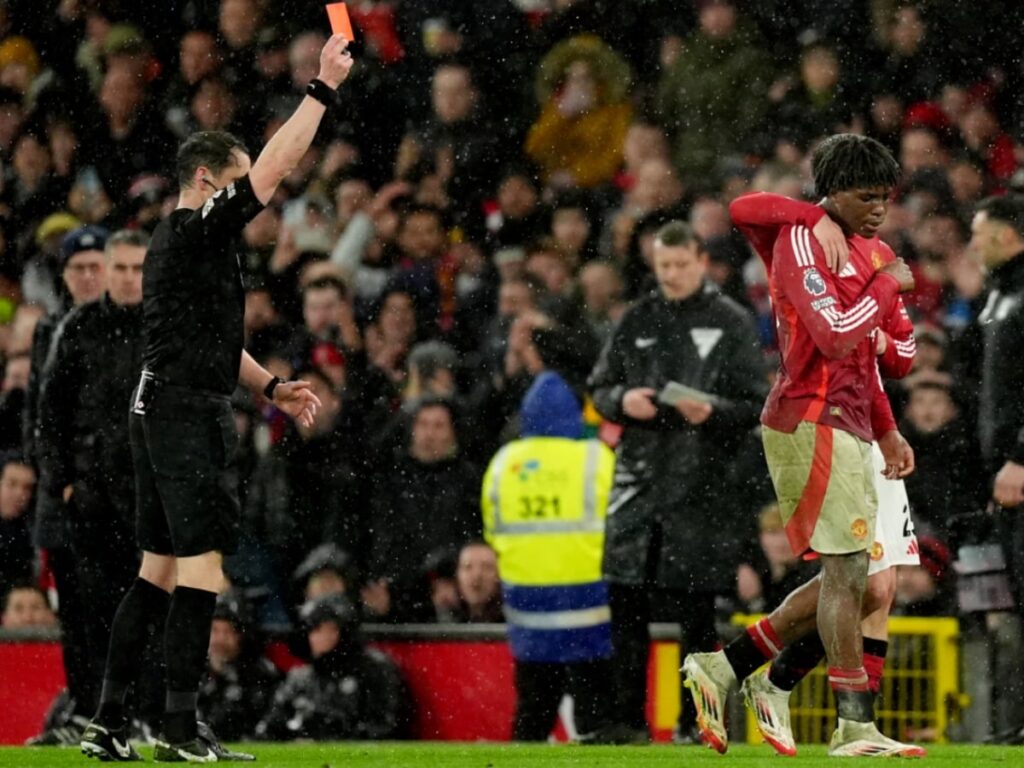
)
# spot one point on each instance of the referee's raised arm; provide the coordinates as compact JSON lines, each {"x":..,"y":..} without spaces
{"x":286,"y":147}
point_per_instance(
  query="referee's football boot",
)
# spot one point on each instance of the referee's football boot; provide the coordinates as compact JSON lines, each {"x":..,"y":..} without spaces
{"x":770,"y":705}
{"x":195,"y":751}
{"x":853,"y":739}
{"x":709,"y":677}
{"x":108,"y":744}
{"x":224,"y":755}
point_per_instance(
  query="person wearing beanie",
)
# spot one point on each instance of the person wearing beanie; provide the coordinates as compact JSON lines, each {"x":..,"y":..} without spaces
{"x":347,"y":692}
{"x":83,"y":270}
{"x":82,"y":444}
{"x":544,"y":499}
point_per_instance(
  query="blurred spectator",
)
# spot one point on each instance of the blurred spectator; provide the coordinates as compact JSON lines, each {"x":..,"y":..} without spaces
{"x":347,"y":692}
{"x":433,"y":366}
{"x":477,"y":589}
{"x":699,"y":107}
{"x":985,"y":138}
{"x":25,"y":607}
{"x":328,"y":316}
{"x":885,"y":119}
{"x":198,"y":58}
{"x":32,"y":191}
{"x":17,"y":483}
{"x":311,"y":488}
{"x":426,"y":500}
{"x":518,"y":218}
{"x":455,"y":143}
{"x":553,"y":267}
{"x":265,"y":331}
{"x":968,"y":181}
{"x":583,"y":91}
{"x":327,"y":570}
{"x":213,"y":107}
{"x":946,"y":481}
{"x":815,"y":105}
{"x":572,"y":228}
{"x":426,"y":269}
{"x":921,"y":147}
{"x":601,"y":288}
{"x":238,"y":22}
{"x":390,"y":337}
{"x":913,"y":65}
{"x":643,"y":142}
{"x":12,"y":398}
{"x":240,"y":683}
{"x":131,"y":138}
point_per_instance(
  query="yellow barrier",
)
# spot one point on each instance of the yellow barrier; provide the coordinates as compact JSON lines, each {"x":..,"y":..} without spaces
{"x":920,"y":688}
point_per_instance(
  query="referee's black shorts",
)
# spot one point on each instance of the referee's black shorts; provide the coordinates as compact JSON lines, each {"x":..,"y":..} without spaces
{"x":186,"y":481}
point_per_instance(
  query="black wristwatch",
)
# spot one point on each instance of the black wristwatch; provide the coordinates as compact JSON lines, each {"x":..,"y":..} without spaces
{"x":322,"y":92}
{"x":268,"y":391}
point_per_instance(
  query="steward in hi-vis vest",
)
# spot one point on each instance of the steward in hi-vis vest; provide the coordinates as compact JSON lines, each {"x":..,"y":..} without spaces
{"x":544,"y":502}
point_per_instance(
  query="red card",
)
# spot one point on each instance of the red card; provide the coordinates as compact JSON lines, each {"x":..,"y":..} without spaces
{"x":340,"y":22}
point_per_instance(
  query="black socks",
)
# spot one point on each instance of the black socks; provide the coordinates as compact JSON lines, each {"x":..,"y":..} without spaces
{"x":796,"y":661}
{"x":186,"y":641}
{"x":142,"y":612}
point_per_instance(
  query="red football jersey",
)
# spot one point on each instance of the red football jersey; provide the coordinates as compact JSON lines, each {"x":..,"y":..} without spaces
{"x":826,"y":323}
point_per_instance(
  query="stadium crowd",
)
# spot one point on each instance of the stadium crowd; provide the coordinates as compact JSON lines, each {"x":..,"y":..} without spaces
{"x":479,"y":208}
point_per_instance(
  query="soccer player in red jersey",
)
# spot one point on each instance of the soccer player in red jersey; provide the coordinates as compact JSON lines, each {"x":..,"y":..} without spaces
{"x":818,"y":424}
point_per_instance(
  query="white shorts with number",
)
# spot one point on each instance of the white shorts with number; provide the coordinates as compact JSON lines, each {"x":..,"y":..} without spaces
{"x":895,"y":542}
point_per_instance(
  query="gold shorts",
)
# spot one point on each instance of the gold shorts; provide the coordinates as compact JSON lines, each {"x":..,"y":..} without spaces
{"x":823,"y":478}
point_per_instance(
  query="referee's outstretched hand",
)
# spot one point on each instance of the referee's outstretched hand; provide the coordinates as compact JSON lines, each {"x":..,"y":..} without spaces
{"x":335,"y":61}
{"x":297,"y":400}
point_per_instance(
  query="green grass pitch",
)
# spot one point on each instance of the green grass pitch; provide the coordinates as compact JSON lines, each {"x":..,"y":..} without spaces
{"x":435,"y":755}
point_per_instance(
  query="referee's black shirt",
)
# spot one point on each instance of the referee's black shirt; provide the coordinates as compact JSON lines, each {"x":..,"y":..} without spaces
{"x":192,"y":296}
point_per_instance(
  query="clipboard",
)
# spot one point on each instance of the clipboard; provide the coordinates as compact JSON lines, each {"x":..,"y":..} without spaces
{"x":673,"y":392}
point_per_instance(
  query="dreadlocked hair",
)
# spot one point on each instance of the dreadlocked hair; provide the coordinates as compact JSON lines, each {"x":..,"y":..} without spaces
{"x":847,"y":161}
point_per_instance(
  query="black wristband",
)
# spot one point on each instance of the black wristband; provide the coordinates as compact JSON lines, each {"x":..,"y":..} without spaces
{"x":268,"y":391}
{"x":322,"y":92}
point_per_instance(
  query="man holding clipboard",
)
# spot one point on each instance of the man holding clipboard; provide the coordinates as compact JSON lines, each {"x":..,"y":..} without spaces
{"x":683,"y":374}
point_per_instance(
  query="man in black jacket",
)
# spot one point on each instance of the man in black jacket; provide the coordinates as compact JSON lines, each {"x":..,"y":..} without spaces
{"x":426,"y":500}
{"x":83,"y":448}
{"x":998,"y":233}
{"x":670,"y":532}
{"x":83,"y":273}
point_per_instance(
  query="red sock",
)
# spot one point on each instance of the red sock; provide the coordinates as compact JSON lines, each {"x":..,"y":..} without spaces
{"x":874,"y":666}
{"x":874,"y":661}
{"x":765,"y":639}
{"x":848,"y":680}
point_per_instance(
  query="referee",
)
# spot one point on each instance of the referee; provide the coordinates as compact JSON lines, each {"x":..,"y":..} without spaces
{"x":182,"y":430}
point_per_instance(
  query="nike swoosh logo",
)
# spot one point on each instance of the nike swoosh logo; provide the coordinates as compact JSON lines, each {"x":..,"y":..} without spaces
{"x":123,"y":750}
{"x":645,"y":343}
